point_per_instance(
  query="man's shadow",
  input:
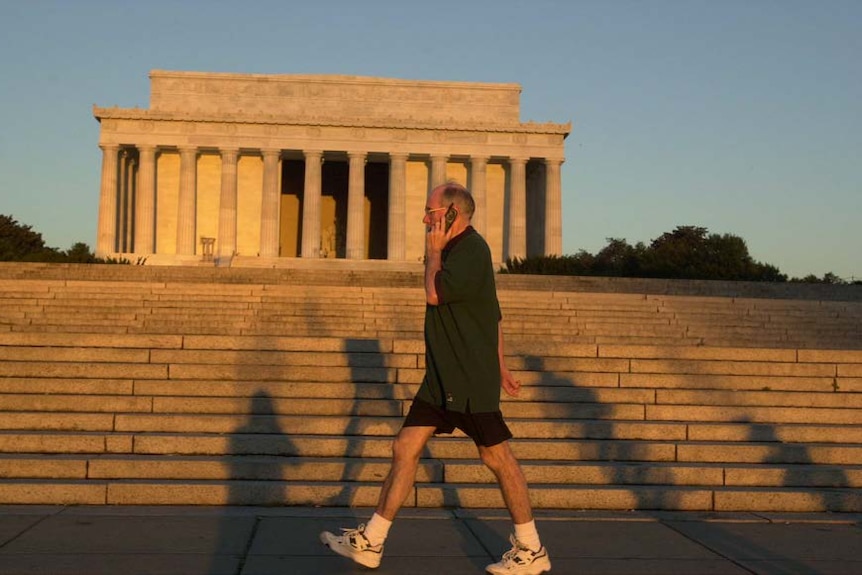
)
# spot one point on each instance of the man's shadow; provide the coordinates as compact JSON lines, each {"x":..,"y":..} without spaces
{"x":256,"y":464}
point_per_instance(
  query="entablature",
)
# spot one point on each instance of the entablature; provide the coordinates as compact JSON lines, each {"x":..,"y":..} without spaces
{"x":117,"y":113}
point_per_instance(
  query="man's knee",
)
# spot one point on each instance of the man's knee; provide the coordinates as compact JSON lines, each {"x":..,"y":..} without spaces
{"x":497,"y":457}
{"x":408,"y":444}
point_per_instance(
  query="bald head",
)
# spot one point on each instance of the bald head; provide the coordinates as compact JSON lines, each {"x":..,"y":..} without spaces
{"x":455,"y":193}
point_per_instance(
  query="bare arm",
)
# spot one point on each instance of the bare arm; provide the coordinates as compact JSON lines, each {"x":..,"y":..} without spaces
{"x":507,"y":380}
{"x":433,"y":264}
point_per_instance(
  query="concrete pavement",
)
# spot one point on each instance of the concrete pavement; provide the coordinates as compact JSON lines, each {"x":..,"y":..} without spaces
{"x":105,"y":540}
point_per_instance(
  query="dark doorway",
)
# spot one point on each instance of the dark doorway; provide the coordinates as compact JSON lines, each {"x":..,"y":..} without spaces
{"x":377,"y":209}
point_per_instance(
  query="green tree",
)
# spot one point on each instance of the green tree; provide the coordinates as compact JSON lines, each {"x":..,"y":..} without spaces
{"x":677,"y":254}
{"x":691,"y":252}
{"x":688,"y":252}
{"x":80,"y":254}
{"x":619,"y":259}
{"x":18,"y":242}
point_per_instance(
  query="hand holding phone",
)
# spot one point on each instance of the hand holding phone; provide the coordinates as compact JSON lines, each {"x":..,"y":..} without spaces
{"x":451,"y":215}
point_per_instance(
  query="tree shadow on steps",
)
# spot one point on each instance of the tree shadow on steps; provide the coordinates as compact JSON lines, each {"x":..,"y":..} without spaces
{"x":625,"y":460}
{"x":800,"y":470}
{"x":794,"y":461}
{"x":368,"y":368}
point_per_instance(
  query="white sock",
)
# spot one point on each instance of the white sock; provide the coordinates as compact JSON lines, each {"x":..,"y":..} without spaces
{"x":527,"y":534}
{"x":377,"y":529}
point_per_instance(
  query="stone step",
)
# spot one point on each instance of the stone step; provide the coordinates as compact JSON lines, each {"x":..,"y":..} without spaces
{"x":753,"y":414}
{"x":83,"y":370}
{"x":115,"y":288}
{"x":285,"y":358}
{"x":733,"y":382}
{"x":119,"y":404}
{"x":33,"y":466}
{"x":260,"y":468}
{"x":350,"y":302}
{"x":250,"y":324}
{"x":389,"y":426}
{"x":263,"y":403}
{"x":584,"y":386}
{"x":75,"y":354}
{"x":347,"y":304}
{"x":158,"y":384}
{"x":458,"y":447}
{"x":232,"y":389}
{"x":759,"y":398}
{"x":55,"y":340}
{"x":351,"y":423}
{"x":361,"y":494}
{"x":673,"y":474}
{"x":66,"y":386}
{"x":790,"y":499}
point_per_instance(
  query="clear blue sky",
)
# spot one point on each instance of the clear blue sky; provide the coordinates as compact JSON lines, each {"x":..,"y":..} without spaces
{"x":742,"y":116}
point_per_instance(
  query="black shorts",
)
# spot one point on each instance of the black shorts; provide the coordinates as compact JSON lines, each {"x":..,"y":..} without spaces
{"x":485,"y":429}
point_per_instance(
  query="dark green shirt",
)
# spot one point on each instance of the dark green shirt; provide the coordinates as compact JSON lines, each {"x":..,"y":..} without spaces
{"x":462,"y":363}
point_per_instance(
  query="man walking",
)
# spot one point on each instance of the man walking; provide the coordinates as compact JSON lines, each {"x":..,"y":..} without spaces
{"x":465,"y":370}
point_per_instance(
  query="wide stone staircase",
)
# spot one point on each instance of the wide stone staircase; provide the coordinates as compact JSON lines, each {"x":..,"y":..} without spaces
{"x":141,"y":385}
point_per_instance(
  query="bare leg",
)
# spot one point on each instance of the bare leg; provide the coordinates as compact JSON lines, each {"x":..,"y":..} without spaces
{"x":513,"y":485}
{"x":406,"y":449}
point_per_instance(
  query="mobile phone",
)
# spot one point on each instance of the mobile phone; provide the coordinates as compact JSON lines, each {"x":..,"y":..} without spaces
{"x":450,"y":216}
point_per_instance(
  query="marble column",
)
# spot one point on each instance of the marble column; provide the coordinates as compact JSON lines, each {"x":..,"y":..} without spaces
{"x":145,"y":201}
{"x":106,"y":242}
{"x":187,"y":204}
{"x":396,"y":246}
{"x":517,"y":247}
{"x":311,"y":204}
{"x":270,"y":208}
{"x":553,"y":208}
{"x":478,"y":187}
{"x":227,"y":204}
{"x":438,"y":170}
{"x":356,"y":207}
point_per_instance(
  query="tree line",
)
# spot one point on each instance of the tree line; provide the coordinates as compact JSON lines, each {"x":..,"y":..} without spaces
{"x":19,"y":243}
{"x":688,"y":252}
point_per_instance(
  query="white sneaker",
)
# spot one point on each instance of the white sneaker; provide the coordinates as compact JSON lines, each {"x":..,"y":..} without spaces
{"x":354,"y":545}
{"x":519,"y":560}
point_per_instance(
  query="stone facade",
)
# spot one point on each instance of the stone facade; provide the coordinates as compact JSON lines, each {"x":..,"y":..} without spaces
{"x":315,"y":166}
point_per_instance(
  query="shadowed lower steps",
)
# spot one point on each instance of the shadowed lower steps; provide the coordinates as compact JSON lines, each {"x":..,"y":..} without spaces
{"x":191,"y":390}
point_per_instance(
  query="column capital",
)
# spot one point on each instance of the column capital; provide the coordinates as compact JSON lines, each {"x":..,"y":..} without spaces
{"x":188,"y":149}
{"x":518,"y":159}
{"x":551,"y":161}
{"x":312,"y":153}
{"x":398,"y":155}
{"x":357,"y":157}
{"x":269,"y":152}
{"x":146,"y":148}
{"x":441,"y":157}
{"x":110,"y":147}
{"x":229,"y":151}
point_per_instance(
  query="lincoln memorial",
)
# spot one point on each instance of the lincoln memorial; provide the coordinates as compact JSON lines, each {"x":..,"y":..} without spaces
{"x":238,"y":166}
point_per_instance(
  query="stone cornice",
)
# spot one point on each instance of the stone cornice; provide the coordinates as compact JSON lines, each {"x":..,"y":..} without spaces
{"x":140,"y":114}
{"x":334,"y":79}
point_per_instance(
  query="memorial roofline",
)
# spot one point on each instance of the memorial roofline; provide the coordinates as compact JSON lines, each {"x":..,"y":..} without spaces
{"x":335,"y":79}
{"x":118,"y":113}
